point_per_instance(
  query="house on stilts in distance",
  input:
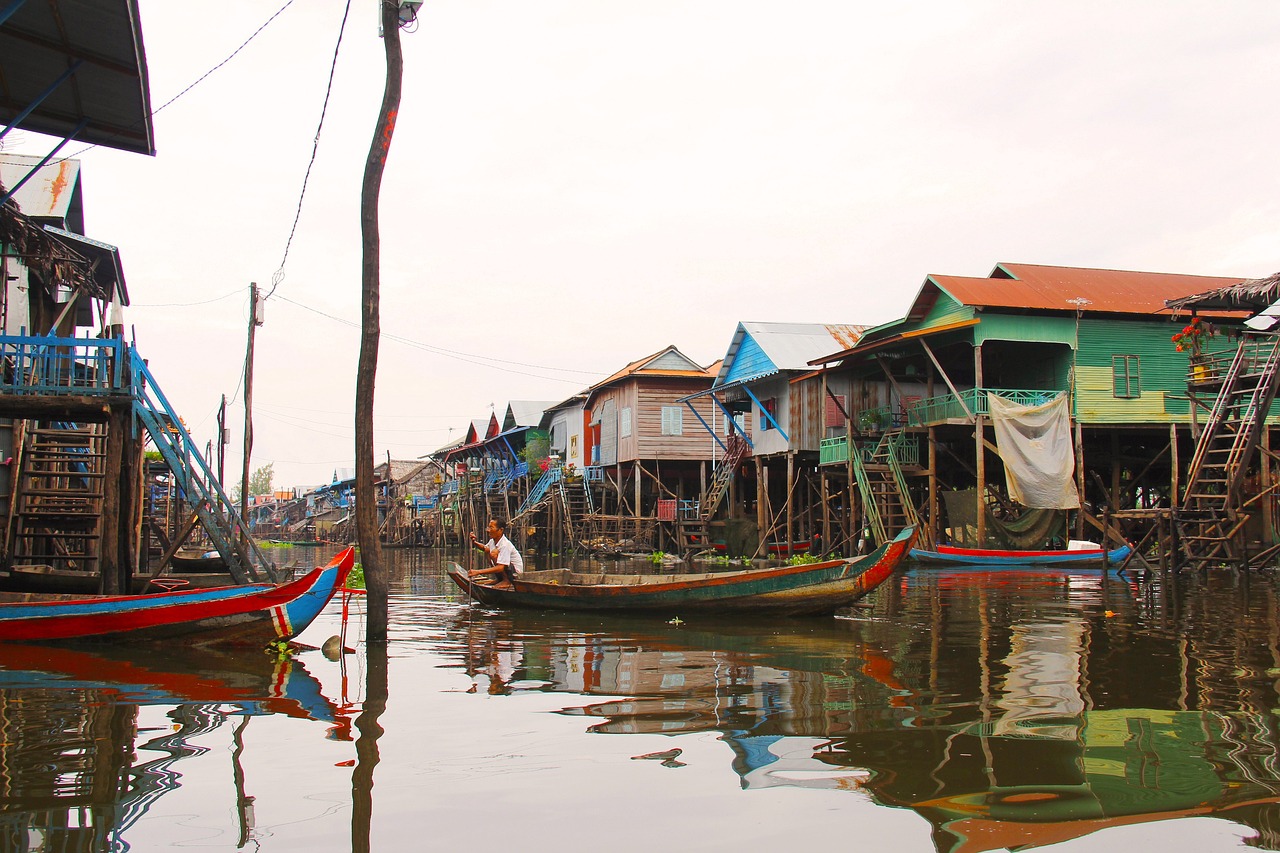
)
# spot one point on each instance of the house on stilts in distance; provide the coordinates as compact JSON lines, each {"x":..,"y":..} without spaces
{"x":924,"y":391}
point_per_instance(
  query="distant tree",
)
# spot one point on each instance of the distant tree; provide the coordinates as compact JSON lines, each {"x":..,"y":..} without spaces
{"x":260,"y":482}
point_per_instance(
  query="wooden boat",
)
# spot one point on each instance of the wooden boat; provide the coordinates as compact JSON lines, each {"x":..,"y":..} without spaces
{"x":47,"y":579}
{"x":1079,"y":558}
{"x":784,"y":590}
{"x":190,"y":560}
{"x":253,"y":614}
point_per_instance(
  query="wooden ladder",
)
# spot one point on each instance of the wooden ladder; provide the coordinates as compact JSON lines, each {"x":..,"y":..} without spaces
{"x":885,"y":498}
{"x":735,"y":450}
{"x":60,"y":496}
{"x":1212,"y":513}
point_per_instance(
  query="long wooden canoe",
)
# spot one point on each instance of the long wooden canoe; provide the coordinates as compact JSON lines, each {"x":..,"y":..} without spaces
{"x":814,"y":588}
{"x":253,"y":614}
{"x":1082,"y":558}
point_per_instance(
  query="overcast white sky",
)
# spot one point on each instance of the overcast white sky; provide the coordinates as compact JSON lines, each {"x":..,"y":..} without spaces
{"x":574,"y":184}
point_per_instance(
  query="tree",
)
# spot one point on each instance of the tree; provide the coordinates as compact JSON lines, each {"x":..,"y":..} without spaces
{"x":260,"y":482}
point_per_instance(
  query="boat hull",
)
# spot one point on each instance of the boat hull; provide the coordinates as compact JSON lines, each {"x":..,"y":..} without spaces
{"x":1088,"y":558}
{"x":816,"y":588}
{"x":254,"y":614}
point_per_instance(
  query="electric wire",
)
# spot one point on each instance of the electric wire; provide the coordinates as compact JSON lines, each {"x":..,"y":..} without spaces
{"x":470,"y":358}
{"x":278,"y":275}
{"x":197,"y":82}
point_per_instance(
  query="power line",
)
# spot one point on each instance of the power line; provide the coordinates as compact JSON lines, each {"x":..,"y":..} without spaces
{"x":197,"y":82}
{"x":278,"y":275}
{"x":471,"y":358}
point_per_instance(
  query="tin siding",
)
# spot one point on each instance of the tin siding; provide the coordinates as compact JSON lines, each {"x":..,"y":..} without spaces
{"x":808,"y":412}
{"x":769,"y":441}
{"x":1162,"y":369}
{"x":694,"y":443}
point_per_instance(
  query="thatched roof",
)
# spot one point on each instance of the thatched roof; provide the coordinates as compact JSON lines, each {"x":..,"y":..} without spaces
{"x":1252,"y":296}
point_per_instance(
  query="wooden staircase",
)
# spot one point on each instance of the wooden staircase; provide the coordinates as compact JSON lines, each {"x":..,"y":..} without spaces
{"x":1213,"y":511}
{"x":735,"y":450}
{"x":59,"y":507}
{"x":885,"y":498}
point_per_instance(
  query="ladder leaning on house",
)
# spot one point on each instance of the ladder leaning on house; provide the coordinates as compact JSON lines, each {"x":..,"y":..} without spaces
{"x":692,"y":533}
{"x":1214,"y":509}
{"x":886,"y":500}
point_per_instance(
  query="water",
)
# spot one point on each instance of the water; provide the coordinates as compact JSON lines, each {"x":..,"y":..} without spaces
{"x":957,"y":711}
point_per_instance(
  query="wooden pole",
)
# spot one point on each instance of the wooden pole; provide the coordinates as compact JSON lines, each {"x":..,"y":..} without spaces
{"x":980,"y":434}
{"x":248,"y":415}
{"x":375,"y":572}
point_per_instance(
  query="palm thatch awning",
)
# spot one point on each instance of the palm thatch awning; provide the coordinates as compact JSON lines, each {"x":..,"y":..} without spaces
{"x":1252,"y":296}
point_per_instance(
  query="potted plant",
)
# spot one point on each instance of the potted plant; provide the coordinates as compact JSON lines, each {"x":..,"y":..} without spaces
{"x":1191,"y":340}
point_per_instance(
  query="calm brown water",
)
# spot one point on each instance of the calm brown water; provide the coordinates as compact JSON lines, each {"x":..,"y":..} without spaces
{"x":958,"y":711}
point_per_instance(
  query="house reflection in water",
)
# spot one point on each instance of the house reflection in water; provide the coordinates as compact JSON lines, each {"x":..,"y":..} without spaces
{"x":1004,"y":724}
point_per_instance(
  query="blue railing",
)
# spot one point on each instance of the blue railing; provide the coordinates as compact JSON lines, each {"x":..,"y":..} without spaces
{"x":218,"y":514}
{"x":50,"y":365}
{"x":539,"y":491}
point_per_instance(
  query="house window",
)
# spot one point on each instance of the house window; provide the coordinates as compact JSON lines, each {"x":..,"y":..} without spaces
{"x":835,"y":411}
{"x":1125,"y":378}
{"x":673,"y":420}
{"x":770,"y":406}
{"x":624,"y":422}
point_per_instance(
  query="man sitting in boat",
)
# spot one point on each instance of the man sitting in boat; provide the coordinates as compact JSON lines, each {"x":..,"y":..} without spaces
{"x":506,"y":560}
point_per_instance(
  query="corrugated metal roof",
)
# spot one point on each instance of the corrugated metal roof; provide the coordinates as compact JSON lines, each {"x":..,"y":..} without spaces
{"x":1046,"y":288}
{"x":53,"y":192}
{"x":109,"y":90}
{"x":525,"y":412}
{"x":790,"y":346}
{"x":639,"y":367}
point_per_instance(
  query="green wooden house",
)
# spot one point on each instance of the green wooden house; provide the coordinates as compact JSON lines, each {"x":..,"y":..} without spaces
{"x":917,"y":433}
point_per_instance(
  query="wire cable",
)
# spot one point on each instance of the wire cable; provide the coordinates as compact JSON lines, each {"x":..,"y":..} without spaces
{"x":278,"y":275}
{"x":471,"y":358}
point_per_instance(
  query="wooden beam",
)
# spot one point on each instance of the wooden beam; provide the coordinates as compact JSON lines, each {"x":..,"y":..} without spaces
{"x":947,"y":379}
{"x":56,"y":407}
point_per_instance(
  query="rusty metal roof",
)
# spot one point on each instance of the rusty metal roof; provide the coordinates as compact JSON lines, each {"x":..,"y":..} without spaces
{"x":1045,"y":288}
{"x":109,"y":91}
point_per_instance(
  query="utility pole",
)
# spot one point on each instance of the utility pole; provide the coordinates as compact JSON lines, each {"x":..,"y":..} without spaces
{"x":375,"y":573}
{"x":255,"y":320}
{"x":222,"y":441}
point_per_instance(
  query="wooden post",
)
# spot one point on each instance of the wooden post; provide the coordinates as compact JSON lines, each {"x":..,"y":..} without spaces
{"x":1080,"y":480}
{"x":109,"y":517}
{"x":980,"y":435}
{"x":762,"y":498}
{"x":248,"y":416}
{"x":375,"y":572}
{"x":934,"y":531}
{"x":791,"y":479}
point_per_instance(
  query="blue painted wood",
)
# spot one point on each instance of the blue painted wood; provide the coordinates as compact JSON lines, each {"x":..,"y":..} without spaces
{"x":749,"y":361}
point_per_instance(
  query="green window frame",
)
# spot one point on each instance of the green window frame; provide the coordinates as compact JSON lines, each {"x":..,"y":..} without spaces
{"x":1126,"y":377}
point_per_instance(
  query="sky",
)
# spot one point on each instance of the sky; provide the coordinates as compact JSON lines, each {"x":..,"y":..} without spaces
{"x":575,"y":184}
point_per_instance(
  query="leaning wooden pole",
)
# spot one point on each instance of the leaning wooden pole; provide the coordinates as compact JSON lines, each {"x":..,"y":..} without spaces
{"x":375,"y":573}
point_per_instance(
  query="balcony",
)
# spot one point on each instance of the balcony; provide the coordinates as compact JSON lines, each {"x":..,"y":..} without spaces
{"x":934,"y":410}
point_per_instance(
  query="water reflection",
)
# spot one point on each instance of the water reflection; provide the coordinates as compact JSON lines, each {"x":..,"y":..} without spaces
{"x":1012,"y":709}
{"x":71,"y":735}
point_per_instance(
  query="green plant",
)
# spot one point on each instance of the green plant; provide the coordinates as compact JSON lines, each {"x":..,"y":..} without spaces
{"x":802,"y":559}
{"x":657,"y":557}
{"x":355,"y":580}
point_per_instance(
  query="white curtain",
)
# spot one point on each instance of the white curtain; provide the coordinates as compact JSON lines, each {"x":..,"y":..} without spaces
{"x":1035,"y":444}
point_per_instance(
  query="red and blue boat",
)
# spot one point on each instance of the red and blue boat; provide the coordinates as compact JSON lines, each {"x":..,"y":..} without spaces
{"x":253,"y":614}
{"x":813,"y":588}
{"x":1072,"y":558}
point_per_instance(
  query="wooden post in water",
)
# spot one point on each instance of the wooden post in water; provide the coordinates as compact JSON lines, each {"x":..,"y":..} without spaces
{"x":375,"y":572}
